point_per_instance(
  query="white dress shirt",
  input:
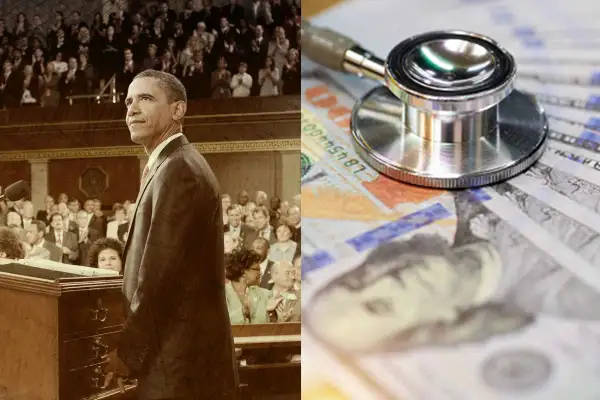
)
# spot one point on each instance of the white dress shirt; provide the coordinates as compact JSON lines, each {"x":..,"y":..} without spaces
{"x":235,"y":231}
{"x":154,"y":155}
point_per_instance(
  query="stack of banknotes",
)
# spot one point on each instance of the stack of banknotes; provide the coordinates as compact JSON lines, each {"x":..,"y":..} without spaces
{"x":484,"y":294}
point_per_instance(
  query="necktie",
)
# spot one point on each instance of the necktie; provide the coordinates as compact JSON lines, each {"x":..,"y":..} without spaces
{"x":145,"y":173}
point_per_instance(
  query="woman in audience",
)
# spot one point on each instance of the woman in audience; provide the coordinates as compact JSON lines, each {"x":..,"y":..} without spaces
{"x":220,"y":81}
{"x":268,"y":79}
{"x":10,"y":245}
{"x":279,"y":47}
{"x":98,"y":26}
{"x":185,"y":56}
{"x":106,"y":253}
{"x":247,"y":302}
{"x":285,"y":248}
{"x":290,"y":76}
{"x":50,"y":92}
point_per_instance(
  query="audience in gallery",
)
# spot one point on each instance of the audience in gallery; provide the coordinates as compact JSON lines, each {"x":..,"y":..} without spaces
{"x":217,"y":52}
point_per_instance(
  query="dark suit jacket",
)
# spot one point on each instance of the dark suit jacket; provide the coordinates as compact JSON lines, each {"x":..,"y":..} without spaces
{"x":266,"y":277}
{"x":247,"y":234}
{"x":69,"y":241}
{"x":55,"y":251}
{"x":272,"y":236}
{"x":84,"y":247}
{"x":122,"y":230}
{"x":177,"y":338}
{"x":99,"y":224}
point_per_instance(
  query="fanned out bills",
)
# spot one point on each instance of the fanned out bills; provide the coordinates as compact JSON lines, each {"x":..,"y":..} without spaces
{"x":483,"y":294}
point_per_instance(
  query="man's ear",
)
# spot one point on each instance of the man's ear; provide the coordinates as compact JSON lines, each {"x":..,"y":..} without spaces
{"x":179,"y":109}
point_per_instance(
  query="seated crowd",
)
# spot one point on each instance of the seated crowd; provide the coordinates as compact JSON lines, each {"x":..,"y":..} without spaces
{"x":262,"y":258}
{"x":223,"y":52}
{"x":261,"y":246}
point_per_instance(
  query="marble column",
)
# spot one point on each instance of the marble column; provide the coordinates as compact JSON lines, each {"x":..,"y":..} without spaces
{"x":290,"y":167}
{"x":39,"y":182}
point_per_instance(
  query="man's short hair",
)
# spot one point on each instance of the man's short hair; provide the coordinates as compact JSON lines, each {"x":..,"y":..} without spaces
{"x":172,"y":86}
{"x":261,"y":210}
{"x":233,"y":207}
{"x":54,"y":215}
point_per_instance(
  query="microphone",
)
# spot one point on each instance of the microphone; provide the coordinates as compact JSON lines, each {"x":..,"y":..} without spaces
{"x":15,"y":191}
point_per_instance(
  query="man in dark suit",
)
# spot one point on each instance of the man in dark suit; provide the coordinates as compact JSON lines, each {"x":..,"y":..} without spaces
{"x":234,"y":225}
{"x":43,"y":215}
{"x":263,"y":228}
{"x":35,"y":236}
{"x":85,"y":235}
{"x":65,"y":240}
{"x":261,"y":246}
{"x":177,"y":338}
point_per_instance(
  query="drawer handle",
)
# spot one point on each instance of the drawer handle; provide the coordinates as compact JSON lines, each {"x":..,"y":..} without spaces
{"x":99,"y":379}
{"x":100,"y":313}
{"x":100,"y":349}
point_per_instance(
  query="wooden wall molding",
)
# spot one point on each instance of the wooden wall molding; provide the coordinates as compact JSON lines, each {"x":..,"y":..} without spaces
{"x":120,"y":151}
{"x":207,"y":121}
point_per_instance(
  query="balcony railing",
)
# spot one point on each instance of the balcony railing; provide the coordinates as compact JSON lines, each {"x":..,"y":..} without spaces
{"x":108,"y":94}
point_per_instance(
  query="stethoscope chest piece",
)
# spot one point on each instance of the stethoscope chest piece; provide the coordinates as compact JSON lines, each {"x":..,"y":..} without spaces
{"x":448,"y":116}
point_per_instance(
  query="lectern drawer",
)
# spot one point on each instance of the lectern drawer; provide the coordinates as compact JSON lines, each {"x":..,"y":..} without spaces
{"x":87,"y":383}
{"x":91,"y":310}
{"x":86,"y":351}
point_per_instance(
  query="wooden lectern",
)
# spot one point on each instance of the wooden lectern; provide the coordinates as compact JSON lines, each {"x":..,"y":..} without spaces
{"x":57,"y":322}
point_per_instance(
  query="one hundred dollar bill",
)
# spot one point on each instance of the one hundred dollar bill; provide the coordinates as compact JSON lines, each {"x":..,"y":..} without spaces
{"x":501,"y":310}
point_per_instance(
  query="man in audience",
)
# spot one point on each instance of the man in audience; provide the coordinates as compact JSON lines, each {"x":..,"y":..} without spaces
{"x":282,"y":274}
{"x":112,"y":228}
{"x":42,"y":215}
{"x":65,"y":240}
{"x":64,"y":212}
{"x":98,"y":220}
{"x":235,"y":227}
{"x":86,"y":236}
{"x":261,"y":221}
{"x":41,"y":248}
{"x":243,"y":198}
{"x":124,"y":228}
{"x":27,"y":213}
{"x":293,"y":220}
{"x":13,"y":218}
{"x":261,"y":246}
{"x":175,"y":349}
{"x":74,"y":207}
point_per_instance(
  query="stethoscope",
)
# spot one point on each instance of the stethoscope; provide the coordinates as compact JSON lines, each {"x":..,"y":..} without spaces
{"x":447,"y":115}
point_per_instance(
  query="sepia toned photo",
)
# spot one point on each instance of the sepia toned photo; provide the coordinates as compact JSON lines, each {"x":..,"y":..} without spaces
{"x":150,"y":208}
